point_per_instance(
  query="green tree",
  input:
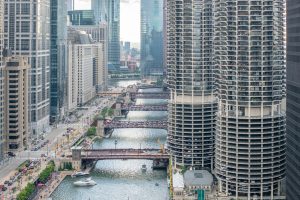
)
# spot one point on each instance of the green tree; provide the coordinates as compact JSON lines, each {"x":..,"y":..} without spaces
{"x":91,"y":131}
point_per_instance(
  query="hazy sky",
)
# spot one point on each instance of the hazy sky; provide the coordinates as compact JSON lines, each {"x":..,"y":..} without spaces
{"x":130,"y":18}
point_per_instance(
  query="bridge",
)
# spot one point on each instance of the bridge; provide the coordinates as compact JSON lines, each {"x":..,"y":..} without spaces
{"x":141,"y":95}
{"x":88,"y":156}
{"x":110,"y":154}
{"x":136,"y":124}
{"x":144,"y":107}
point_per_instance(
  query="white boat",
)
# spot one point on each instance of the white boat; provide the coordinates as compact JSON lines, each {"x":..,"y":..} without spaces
{"x":77,"y":174}
{"x":85,"y":182}
{"x":144,"y":168}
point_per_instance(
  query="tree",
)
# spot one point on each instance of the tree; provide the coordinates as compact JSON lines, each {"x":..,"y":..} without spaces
{"x":91,"y":131}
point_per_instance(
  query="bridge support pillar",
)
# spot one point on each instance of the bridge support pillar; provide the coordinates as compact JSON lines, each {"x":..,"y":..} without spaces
{"x":160,"y":164}
{"x":117,"y":111}
{"x":100,"y":128}
{"x":76,"y":158}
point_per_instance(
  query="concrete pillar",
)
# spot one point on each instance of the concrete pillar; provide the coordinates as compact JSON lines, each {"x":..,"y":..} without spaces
{"x":76,"y":158}
{"x":100,"y":128}
{"x":117,"y":111}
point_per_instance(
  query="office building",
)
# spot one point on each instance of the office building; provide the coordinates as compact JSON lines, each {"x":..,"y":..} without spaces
{"x":250,"y":141}
{"x":293,"y":99}
{"x":81,"y":17}
{"x":84,"y":60}
{"x":152,"y":37}
{"x":2,"y":131}
{"x":192,"y":105}
{"x":109,"y":11}
{"x":27,"y":33}
{"x":16,"y":87}
{"x":58,"y":63}
{"x":99,"y":35}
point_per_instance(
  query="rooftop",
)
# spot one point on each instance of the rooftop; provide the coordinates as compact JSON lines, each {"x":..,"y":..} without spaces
{"x":197,"y":178}
{"x":178,"y":180}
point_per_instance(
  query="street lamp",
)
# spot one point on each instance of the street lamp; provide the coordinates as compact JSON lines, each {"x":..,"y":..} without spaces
{"x":116,"y":142}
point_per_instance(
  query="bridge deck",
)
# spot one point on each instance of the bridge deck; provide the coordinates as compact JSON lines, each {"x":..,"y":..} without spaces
{"x":145,"y":107}
{"x":106,"y":154}
{"x":137,"y":124}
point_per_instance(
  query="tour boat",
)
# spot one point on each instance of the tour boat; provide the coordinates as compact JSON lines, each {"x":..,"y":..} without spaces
{"x":77,"y":174}
{"x":144,"y":168}
{"x":85,"y":182}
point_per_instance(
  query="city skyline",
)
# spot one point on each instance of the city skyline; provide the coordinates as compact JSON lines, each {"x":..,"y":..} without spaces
{"x":206,"y":108}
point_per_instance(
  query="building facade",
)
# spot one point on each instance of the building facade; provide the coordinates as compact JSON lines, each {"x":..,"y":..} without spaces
{"x":2,"y":131}
{"x":293,"y":99}
{"x":81,"y":17}
{"x":152,"y":37}
{"x":109,"y":11}
{"x":99,"y":35}
{"x":27,"y":33}
{"x":16,"y":73}
{"x":192,"y":105}
{"x":84,"y":60}
{"x":250,"y":75}
{"x":58,"y":63}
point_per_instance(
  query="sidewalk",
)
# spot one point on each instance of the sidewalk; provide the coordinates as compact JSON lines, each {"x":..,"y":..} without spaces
{"x":52,"y":184}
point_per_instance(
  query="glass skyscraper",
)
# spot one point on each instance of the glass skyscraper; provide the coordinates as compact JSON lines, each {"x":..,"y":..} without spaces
{"x":293,"y":100}
{"x":152,"y":37}
{"x":58,"y":61}
{"x":109,"y":11}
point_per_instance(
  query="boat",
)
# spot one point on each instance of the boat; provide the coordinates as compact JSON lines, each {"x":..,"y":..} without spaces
{"x":156,"y":184}
{"x":85,"y":182}
{"x":77,"y":174}
{"x":144,"y":168}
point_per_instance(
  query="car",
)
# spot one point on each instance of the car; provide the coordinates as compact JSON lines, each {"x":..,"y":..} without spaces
{"x":6,"y":182}
{"x":43,"y":155}
{"x":11,"y":154}
{"x":4,"y":188}
{"x":9,"y":183}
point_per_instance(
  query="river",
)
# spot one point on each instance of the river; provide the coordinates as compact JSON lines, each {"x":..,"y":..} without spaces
{"x":124,"y":179}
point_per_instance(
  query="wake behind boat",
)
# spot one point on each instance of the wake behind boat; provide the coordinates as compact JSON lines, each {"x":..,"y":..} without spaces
{"x":85,"y":182}
{"x":78,"y":174}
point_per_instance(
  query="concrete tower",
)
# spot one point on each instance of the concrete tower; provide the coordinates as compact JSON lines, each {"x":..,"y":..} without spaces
{"x":190,"y":74}
{"x":250,"y":75}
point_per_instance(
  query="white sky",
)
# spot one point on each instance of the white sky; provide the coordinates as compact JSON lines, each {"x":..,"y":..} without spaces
{"x":130,"y":18}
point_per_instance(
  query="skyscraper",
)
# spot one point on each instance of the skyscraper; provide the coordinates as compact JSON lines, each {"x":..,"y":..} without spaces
{"x":2,"y":136}
{"x":250,"y":75}
{"x":27,"y":33}
{"x":293,"y":99}
{"x":16,"y":93}
{"x":151,"y":37}
{"x":192,"y":105}
{"x":58,"y":61}
{"x":109,"y":11}
{"x":71,"y":5}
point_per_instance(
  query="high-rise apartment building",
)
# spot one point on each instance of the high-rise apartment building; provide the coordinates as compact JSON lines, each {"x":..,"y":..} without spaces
{"x":293,"y":99}
{"x":250,"y":74}
{"x":27,"y":33}
{"x":16,"y":103}
{"x":109,"y":11}
{"x":2,"y":131}
{"x":58,"y":61}
{"x":152,"y":37}
{"x":192,"y":105}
